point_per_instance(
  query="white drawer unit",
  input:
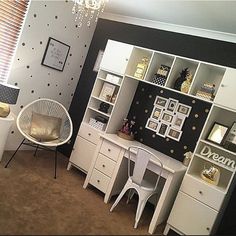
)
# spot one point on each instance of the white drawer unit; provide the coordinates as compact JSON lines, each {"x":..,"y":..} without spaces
{"x":191,"y":217}
{"x":105,"y":165}
{"x":202,"y":192}
{"x":89,"y":133}
{"x":110,"y":150}
{"x":99,"y":180}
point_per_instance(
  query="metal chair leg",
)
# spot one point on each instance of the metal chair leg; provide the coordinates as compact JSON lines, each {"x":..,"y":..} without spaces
{"x":14,"y":153}
{"x":36,"y":150}
{"x":55,"y":176}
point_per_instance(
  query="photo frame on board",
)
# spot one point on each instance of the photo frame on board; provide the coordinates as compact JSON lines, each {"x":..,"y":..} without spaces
{"x":161,"y":101}
{"x":174,"y":133}
{"x":152,"y":124}
{"x":184,"y":109}
{"x":172,"y":105}
{"x":162,"y":129}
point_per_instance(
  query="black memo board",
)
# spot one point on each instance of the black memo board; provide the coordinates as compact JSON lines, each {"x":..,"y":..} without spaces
{"x":141,"y":110}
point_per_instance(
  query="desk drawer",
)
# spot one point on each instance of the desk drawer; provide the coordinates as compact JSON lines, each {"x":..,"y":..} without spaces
{"x":105,"y":165}
{"x":203,"y":192}
{"x":110,"y":150}
{"x":89,"y":133}
{"x":99,"y":180}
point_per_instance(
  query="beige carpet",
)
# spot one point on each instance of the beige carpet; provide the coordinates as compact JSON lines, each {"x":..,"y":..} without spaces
{"x":32,"y":202}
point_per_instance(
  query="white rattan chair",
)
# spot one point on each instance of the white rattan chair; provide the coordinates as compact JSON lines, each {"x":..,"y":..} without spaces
{"x":136,"y":181}
{"x":47,"y":107}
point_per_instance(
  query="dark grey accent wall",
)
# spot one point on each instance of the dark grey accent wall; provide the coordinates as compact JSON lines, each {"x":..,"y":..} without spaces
{"x":209,"y":50}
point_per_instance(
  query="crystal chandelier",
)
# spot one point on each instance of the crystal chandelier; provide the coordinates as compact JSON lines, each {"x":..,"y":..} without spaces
{"x":85,"y":10}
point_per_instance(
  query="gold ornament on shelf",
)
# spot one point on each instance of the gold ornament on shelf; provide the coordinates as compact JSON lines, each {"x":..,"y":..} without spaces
{"x":186,"y":84}
{"x":211,"y":175}
{"x":141,"y":68}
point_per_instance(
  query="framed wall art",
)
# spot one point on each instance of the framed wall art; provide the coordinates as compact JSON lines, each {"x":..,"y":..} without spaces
{"x":55,"y":54}
{"x":152,"y":124}
{"x":184,"y":109}
{"x":160,"y":101}
{"x":156,"y":113}
{"x":178,"y":121}
{"x":174,"y":134}
{"x":162,"y":129}
{"x":172,"y":105}
{"x":167,"y":117}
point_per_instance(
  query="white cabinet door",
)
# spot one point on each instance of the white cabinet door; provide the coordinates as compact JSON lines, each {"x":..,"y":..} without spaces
{"x":82,"y":154}
{"x":191,"y":217}
{"x":116,"y":57}
{"x":226,"y":92}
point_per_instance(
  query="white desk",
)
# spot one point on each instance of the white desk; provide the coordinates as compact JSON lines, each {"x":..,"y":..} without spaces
{"x":110,"y":146}
{"x":5,"y":125}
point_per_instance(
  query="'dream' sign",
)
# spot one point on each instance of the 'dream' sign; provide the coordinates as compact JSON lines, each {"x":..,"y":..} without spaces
{"x":206,"y":152}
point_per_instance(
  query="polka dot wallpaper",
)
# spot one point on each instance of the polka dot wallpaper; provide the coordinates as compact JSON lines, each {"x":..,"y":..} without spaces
{"x":141,"y":110}
{"x":47,"y":19}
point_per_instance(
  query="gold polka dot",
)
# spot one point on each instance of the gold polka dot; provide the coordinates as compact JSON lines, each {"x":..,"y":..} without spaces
{"x":141,"y":127}
{"x":137,"y":102}
{"x":196,"y":115}
{"x":193,"y":101}
{"x":134,"y":117}
{"x":161,"y":91}
{"x":206,"y":110}
{"x":146,"y":110}
{"x":154,"y":136}
{"x":193,"y":128}
{"x":141,"y":140}
{"x":167,"y":139}
{"x":150,"y":96}
{"x":185,"y":147}
{"x":142,"y":89}
{"x":172,"y":151}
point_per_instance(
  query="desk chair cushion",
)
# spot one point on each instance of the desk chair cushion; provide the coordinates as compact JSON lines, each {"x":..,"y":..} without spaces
{"x":44,"y":127}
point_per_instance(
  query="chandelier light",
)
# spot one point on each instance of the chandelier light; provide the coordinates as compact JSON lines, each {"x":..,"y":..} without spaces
{"x":87,"y":10}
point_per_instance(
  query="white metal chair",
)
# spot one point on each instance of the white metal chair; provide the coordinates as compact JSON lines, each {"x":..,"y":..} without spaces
{"x":49,"y":108}
{"x":136,"y":181}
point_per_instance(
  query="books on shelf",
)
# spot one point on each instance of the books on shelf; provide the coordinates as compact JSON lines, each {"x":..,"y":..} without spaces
{"x":206,"y":91}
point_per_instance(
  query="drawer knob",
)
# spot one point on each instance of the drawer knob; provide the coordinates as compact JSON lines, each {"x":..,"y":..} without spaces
{"x":103,"y":166}
{"x":223,"y":85}
{"x":89,"y":134}
{"x":200,"y":192}
{"x":109,"y":149}
{"x":207,"y":228}
{"x":98,"y":181}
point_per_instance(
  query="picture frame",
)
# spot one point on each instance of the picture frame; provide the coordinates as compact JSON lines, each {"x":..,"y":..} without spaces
{"x":156,"y":113}
{"x":178,"y":121}
{"x":55,"y":54}
{"x":160,"y":101}
{"x":174,"y":134}
{"x":98,"y":61}
{"x":183,"y":109}
{"x":107,"y":91}
{"x":167,"y":117}
{"x":172,"y":105}
{"x":152,"y":124}
{"x":217,"y":133}
{"x":162,"y":129}
{"x":230,"y":140}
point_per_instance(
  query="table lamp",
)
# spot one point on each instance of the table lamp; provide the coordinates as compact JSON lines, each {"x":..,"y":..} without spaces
{"x":8,"y":95}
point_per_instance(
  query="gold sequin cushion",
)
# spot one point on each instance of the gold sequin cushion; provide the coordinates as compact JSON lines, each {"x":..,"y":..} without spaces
{"x":45,"y":128}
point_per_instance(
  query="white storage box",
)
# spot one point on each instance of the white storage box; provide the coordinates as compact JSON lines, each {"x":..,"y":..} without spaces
{"x":97,"y":124}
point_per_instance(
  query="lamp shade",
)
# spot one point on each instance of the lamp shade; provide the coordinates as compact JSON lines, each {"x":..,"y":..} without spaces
{"x":8,"y":93}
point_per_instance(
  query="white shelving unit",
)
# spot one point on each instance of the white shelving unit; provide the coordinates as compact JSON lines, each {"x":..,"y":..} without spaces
{"x":202,"y":201}
{"x":195,"y":193}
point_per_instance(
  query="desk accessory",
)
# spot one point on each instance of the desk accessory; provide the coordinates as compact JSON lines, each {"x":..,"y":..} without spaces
{"x":127,"y":130}
{"x":184,"y":74}
{"x":103,"y":107}
{"x":8,"y":95}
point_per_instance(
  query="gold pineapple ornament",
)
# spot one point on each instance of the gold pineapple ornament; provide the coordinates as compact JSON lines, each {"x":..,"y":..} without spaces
{"x":141,"y":68}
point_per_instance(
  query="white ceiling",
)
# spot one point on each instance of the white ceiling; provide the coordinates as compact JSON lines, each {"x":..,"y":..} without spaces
{"x":211,"y":15}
